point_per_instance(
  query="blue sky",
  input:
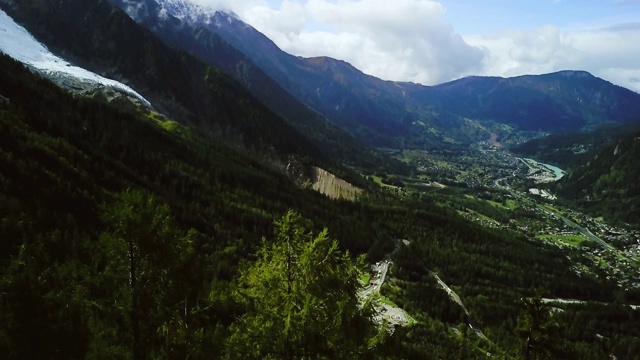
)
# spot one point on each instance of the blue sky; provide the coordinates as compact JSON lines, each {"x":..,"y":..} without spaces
{"x":472,"y":17}
{"x":434,"y":41}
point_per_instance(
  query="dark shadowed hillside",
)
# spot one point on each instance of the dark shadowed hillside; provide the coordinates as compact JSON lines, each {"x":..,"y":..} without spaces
{"x":608,"y":183}
{"x":572,"y":149}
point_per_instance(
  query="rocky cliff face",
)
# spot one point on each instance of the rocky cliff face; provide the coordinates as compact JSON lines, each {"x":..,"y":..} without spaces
{"x":332,"y":186}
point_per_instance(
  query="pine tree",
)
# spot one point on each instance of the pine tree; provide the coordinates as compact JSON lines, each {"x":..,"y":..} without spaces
{"x":143,"y":249}
{"x":301,"y":300}
{"x":538,"y":330}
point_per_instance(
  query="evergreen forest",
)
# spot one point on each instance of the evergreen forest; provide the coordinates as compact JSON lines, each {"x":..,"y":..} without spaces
{"x":127,"y":235}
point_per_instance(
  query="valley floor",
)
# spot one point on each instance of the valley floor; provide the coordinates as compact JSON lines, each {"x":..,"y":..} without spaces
{"x":499,"y":190}
{"x":495,"y":189}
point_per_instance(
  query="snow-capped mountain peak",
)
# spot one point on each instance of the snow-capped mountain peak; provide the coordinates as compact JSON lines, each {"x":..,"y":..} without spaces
{"x":191,"y":13}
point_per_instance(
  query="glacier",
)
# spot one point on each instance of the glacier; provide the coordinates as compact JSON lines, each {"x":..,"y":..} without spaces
{"x":18,"y":43}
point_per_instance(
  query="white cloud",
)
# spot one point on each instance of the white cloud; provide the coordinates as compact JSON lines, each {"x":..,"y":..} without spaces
{"x":538,"y":51}
{"x":605,"y":52}
{"x":235,"y":5}
{"x":409,"y":40}
{"x":399,"y":40}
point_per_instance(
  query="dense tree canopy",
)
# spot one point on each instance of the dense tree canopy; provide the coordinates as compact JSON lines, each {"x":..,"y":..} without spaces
{"x":143,"y":252}
{"x":301,"y":300}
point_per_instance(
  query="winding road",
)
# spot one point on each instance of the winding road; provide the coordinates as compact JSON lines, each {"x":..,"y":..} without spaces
{"x":455,"y":298}
{"x":393,"y":315}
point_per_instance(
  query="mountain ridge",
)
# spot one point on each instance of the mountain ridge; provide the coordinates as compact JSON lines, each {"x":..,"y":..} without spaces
{"x":400,"y":114}
{"x":107,"y":41}
{"x":210,"y":48}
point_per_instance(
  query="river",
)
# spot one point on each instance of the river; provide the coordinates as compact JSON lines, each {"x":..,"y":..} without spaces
{"x":557,"y":172}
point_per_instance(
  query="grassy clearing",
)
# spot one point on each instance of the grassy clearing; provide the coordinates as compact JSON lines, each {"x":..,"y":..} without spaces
{"x":571,"y":240}
{"x":511,"y":204}
{"x":498,"y":205}
{"x":602,"y":262}
{"x":385,"y":300}
{"x":378,"y":180}
{"x":482,"y":216}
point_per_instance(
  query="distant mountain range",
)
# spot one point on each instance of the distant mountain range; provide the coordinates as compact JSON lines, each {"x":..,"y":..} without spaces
{"x":335,"y":105}
{"x":565,"y":100}
{"x":319,"y":108}
{"x":387,"y":113}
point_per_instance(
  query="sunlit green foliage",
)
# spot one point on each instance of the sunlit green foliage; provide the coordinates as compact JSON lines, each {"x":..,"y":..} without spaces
{"x":300,"y":297}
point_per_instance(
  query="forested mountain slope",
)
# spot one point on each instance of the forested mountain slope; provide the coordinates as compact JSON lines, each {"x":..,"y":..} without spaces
{"x":359,"y":103}
{"x":125,"y":234}
{"x":71,"y":169}
{"x":103,"y":39}
{"x":608,"y":183}
{"x":572,"y":149}
{"x":107,"y":41}
{"x":213,"y":50}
